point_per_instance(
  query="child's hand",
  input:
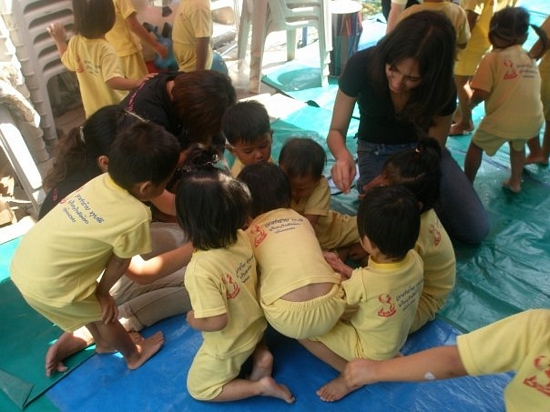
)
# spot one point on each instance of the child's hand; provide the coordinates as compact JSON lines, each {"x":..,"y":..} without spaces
{"x":109,"y":309}
{"x":144,"y":79}
{"x":57,"y":31}
{"x":337,"y":265}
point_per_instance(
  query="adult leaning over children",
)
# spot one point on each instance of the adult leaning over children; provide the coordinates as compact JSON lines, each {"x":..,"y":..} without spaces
{"x":403,"y":84}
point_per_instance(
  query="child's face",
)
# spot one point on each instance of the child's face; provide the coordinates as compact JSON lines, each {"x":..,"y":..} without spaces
{"x":252,"y":153}
{"x":302,"y":187}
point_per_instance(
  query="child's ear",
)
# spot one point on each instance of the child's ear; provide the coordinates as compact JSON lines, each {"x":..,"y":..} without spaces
{"x":103,"y":163}
{"x":144,"y":188}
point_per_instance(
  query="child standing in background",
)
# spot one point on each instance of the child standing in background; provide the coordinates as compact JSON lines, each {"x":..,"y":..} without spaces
{"x":454,"y":12}
{"x":248,"y":131}
{"x":419,"y":170}
{"x":303,"y":161}
{"x":98,"y":69}
{"x":221,"y":278}
{"x":95,"y":231}
{"x":191,"y":35}
{"x":479,"y":14}
{"x":125,"y":37}
{"x":508,"y":80}
{"x":299,"y":292}
{"x":386,"y":292}
{"x":537,"y":154}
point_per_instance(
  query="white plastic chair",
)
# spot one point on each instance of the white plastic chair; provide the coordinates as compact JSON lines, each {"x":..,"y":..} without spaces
{"x":266,"y":16}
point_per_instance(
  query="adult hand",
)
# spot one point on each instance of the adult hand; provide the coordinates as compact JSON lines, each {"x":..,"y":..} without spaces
{"x":343,"y":172}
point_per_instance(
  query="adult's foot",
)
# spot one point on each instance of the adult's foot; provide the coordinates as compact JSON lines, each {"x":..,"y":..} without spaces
{"x":145,"y":350}
{"x":67,"y":345}
{"x":461,"y":129}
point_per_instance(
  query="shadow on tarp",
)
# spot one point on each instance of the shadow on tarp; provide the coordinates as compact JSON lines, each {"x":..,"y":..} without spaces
{"x":104,"y":383}
{"x":24,"y":340}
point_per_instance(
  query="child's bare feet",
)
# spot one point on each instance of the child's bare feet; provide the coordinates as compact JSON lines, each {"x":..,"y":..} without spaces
{"x":134,"y":336}
{"x":268,"y":387}
{"x":461,"y":129}
{"x":335,"y":390}
{"x":145,"y":350}
{"x":512,"y":187}
{"x":262,"y":363}
{"x":534,"y":158}
{"x":67,"y":345}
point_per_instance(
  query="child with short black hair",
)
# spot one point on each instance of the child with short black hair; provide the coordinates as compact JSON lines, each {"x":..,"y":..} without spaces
{"x":507,"y":78}
{"x":386,"y":291}
{"x":97,"y":229}
{"x":299,"y":292}
{"x":248,"y":132}
{"x":212,"y":208}
{"x":98,"y":69}
{"x":419,"y":170}
{"x":303,"y":161}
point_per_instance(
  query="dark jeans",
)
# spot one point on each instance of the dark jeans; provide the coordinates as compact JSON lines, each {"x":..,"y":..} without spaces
{"x":459,"y":208}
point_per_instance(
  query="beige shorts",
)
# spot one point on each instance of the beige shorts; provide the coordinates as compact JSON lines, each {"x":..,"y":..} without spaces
{"x":343,"y":340}
{"x":301,"y":320}
{"x":208,"y":375}
{"x":491,"y":143}
{"x":72,"y":315}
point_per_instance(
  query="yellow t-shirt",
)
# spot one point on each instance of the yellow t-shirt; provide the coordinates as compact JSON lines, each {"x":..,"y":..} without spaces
{"x":238,"y":166}
{"x":120,"y":36}
{"x":223,"y":281}
{"x":436,"y":250}
{"x":520,"y":343}
{"x":192,"y":20}
{"x":288,"y":254}
{"x":95,"y":62}
{"x":386,"y":296}
{"x":544,"y":70}
{"x":454,"y":12}
{"x":333,"y":229}
{"x":71,"y":245}
{"x":511,"y":77}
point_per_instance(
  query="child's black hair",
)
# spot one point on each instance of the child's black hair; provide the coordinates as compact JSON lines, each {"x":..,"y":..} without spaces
{"x":417,"y":169}
{"x":390,"y":217}
{"x":302,"y":157}
{"x":211,"y":207}
{"x":510,"y":26}
{"x":245,"y":122}
{"x":93,"y":18}
{"x":143,"y":152}
{"x":268,"y":186}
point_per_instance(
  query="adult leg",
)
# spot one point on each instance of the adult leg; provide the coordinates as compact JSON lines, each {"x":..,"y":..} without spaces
{"x":459,"y":207}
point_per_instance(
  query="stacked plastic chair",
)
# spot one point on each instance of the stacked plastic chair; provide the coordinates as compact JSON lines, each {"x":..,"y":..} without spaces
{"x":27,"y":21}
{"x":266,"y":16}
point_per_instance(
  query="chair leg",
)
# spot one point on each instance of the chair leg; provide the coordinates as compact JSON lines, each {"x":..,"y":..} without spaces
{"x":290,"y":44}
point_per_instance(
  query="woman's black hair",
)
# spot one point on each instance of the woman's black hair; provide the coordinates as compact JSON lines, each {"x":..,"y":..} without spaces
{"x":269,"y":187}
{"x":429,"y":38}
{"x":211,"y":206}
{"x":301,"y":157}
{"x":418,"y":169}
{"x":389,"y":217}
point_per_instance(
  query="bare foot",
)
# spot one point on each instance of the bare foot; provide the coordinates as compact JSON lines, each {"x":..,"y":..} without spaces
{"x":262,"y":363}
{"x":134,"y":336}
{"x":67,"y":345}
{"x":533,"y":158}
{"x":514,"y":188}
{"x":145,"y":350}
{"x":461,"y":129}
{"x":336,"y":389}
{"x":268,"y":387}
